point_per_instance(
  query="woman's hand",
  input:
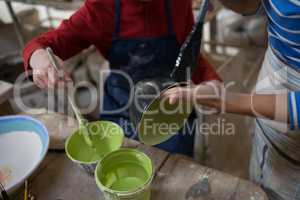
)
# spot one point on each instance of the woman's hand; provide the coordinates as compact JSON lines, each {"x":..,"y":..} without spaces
{"x":44,"y":74}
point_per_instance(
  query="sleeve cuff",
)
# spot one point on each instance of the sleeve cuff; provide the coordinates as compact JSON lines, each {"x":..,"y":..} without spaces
{"x":294,"y":109}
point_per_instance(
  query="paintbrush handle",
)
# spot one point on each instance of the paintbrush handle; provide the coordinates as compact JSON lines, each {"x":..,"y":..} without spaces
{"x":81,"y":121}
{"x":78,"y":115}
{"x":55,"y":64}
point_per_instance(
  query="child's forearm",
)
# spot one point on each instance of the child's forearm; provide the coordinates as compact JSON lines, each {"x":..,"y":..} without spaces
{"x":271,"y":106}
{"x":258,"y":105}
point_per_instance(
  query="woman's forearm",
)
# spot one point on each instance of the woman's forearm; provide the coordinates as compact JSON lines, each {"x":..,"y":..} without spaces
{"x":241,"y":6}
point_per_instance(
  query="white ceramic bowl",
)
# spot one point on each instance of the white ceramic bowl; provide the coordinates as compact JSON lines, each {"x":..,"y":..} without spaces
{"x":24,"y":143}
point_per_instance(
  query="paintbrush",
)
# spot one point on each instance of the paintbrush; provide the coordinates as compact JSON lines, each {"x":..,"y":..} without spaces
{"x":84,"y":130}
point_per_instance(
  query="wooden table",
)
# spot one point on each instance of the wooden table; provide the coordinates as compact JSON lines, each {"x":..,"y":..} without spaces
{"x":176,"y":178}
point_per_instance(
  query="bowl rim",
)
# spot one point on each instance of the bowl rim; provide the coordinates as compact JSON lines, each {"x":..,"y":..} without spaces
{"x":43,"y":155}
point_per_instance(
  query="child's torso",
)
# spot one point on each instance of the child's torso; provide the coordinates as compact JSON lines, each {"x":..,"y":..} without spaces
{"x":284,"y":29}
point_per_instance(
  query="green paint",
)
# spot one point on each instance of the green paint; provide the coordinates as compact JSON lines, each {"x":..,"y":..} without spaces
{"x":83,"y":130}
{"x":162,"y":120}
{"x":127,"y":184}
{"x":125,"y":177}
{"x":106,"y":137}
{"x":126,"y":173}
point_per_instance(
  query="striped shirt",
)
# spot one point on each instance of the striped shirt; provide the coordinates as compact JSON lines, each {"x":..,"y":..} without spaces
{"x":284,"y":39}
{"x":284,"y":29}
{"x":294,"y":109}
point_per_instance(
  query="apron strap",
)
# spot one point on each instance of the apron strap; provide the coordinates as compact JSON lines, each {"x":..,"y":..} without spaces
{"x":117,"y":30}
{"x":168,"y":8}
{"x":117,"y":19}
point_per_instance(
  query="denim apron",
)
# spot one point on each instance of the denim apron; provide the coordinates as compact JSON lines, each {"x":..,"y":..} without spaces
{"x":142,"y":58}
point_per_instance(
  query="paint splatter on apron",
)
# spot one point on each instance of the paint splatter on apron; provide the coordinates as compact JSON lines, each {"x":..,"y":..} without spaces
{"x":275,"y":161}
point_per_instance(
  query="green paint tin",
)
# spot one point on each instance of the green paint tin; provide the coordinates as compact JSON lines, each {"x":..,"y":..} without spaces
{"x":119,"y":173}
{"x":125,"y":174}
{"x":106,"y":137}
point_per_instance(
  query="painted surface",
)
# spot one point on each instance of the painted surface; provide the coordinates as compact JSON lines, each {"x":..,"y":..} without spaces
{"x":162,"y":120}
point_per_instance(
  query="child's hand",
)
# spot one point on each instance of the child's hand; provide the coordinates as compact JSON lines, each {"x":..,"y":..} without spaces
{"x":197,"y":94}
{"x":179,"y":93}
